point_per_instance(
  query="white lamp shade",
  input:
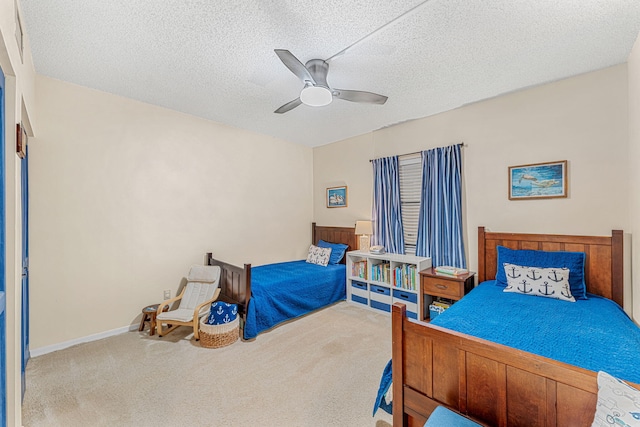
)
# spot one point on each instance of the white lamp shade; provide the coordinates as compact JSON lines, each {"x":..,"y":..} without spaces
{"x":364,"y":227}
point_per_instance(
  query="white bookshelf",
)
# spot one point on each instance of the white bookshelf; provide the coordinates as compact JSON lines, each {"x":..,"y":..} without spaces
{"x":378,"y":281}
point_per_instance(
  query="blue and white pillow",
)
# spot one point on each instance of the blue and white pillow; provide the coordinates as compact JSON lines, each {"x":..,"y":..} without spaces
{"x":337,"y":250}
{"x":318,"y":255}
{"x":618,"y":403}
{"x":541,"y":282}
{"x":221,"y":313}
{"x":574,"y":261}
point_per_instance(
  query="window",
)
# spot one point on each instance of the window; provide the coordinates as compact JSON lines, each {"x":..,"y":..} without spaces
{"x":410,"y":168}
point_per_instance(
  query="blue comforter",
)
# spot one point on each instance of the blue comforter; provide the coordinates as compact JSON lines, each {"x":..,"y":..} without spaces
{"x":287,"y":290}
{"x":594,"y":334}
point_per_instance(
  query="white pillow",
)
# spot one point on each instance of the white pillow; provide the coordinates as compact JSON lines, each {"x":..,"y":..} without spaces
{"x":541,"y":282}
{"x":318,"y":255}
{"x":618,"y":403}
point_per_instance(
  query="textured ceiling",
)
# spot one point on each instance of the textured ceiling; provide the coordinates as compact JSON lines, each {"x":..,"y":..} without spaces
{"x":215,"y":59}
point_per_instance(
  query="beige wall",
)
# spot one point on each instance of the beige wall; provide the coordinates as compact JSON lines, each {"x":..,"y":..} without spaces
{"x":19,"y":108}
{"x":634,"y":171}
{"x":583,"y":119}
{"x":126,"y":196}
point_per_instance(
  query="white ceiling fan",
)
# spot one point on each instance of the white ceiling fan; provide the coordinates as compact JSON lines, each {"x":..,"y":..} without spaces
{"x":316,"y":91}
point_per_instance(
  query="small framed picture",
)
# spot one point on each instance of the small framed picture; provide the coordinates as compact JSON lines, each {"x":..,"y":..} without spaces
{"x":538,"y":181}
{"x":21,"y":141}
{"x":337,"y":197}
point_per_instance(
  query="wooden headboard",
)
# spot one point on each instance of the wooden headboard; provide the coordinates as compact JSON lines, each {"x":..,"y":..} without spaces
{"x":604,"y":274}
{"x":345,"y":235}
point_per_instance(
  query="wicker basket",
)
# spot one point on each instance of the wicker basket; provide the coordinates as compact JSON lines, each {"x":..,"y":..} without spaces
{"x":216,"y":336}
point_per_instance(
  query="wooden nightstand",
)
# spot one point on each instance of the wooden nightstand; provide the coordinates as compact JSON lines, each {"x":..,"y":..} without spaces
{"x":439,"y":285}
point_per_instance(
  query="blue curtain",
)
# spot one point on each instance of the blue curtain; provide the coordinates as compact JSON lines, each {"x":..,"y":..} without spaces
{"x":387,"y":221}
{"x":440,"y":220}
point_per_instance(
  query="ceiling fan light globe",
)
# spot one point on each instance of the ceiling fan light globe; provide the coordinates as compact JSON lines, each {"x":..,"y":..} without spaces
{"x":316,"y":96}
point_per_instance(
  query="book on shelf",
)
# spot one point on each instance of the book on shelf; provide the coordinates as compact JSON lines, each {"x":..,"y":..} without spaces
{"x":405,"y":277}
{"x":381,"y":272}
{"x":441,"y":303}
{"x":450,"y":271}
{"x":359,"y":269}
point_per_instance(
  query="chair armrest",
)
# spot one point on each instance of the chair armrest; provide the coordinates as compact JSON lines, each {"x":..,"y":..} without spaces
{"x":169,"y":301}
{"x":196,"y":311}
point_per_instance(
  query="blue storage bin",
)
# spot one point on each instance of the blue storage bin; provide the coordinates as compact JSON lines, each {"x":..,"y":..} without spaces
{"x":404,"y":295}
{"x":380,"y":290}
{"x":381,"y":306}
{"x":359,"y":299}
{"x":359,"y":285}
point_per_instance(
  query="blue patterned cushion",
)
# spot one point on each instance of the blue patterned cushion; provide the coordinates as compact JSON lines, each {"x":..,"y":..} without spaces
{"x":618,"y":403}
{"x":337,"y":251}
{"x":574,"y":261}
{"x":222,"y":313}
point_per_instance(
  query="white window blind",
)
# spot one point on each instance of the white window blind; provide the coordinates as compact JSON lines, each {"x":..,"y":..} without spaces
{"x":410,"y":168}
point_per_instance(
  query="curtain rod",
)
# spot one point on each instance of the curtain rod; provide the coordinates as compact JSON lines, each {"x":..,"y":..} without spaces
{"x":461,"y":144}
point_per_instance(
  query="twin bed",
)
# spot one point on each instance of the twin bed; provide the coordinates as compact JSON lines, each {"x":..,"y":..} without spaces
{"x":508,"y":359}
{"x":501,"y":358}
{"x":271,"y":294}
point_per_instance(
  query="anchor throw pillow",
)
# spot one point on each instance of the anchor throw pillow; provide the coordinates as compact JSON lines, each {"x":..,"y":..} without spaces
{"x":318,"y":255}
{"x":541,"y":282}
{"x":221,"y":313}
{"x":618,"y":403}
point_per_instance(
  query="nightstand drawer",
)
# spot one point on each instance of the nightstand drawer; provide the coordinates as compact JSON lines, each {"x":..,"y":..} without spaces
{"x":443,"y":288}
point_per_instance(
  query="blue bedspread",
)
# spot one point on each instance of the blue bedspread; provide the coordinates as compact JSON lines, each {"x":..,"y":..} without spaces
{"x":287,"y":290}
{"x":594,"y":334}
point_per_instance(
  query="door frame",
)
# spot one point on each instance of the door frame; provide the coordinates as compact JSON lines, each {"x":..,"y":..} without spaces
{"x":24,"y":184}
{"x":3,"y":315}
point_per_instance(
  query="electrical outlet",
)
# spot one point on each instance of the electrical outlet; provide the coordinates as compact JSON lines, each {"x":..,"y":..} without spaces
{"x":167,"y":294}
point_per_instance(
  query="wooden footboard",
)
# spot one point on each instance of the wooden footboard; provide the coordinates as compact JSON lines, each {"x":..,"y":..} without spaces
{"x":491,"y":383}
{"x":235,"y":283}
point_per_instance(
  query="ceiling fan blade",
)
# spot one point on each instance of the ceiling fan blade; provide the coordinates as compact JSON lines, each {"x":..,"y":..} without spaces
{"x":293,"y":64}
{"x":359,"y":96}
{"x":288,"y":106}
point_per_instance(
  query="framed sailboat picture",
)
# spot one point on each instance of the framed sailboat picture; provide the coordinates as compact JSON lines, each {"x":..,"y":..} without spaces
{"x":538,"y":181}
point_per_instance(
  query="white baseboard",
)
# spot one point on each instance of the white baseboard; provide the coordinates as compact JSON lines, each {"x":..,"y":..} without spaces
{"x":55,"y":347}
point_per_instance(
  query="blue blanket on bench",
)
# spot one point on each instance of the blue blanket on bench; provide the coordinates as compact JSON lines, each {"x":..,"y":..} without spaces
{"x":287,"y":290}
{"x":594,"y":334}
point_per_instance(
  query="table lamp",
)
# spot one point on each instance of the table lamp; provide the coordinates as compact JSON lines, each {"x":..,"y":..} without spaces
{"x":364,"y":229}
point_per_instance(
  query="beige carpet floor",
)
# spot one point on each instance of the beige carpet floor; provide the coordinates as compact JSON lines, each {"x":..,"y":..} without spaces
{"x":320,"y":370}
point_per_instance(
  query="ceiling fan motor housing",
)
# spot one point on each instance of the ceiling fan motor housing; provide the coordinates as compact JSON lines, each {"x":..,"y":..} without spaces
{"x":318,"y":70}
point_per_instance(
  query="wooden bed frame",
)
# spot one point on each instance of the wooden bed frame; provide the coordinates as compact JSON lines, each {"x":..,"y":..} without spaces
{"x":235,"y":282}
{"x":491,"y":383}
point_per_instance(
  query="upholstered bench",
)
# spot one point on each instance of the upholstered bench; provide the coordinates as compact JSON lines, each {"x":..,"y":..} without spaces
{"x":443,"y":417}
